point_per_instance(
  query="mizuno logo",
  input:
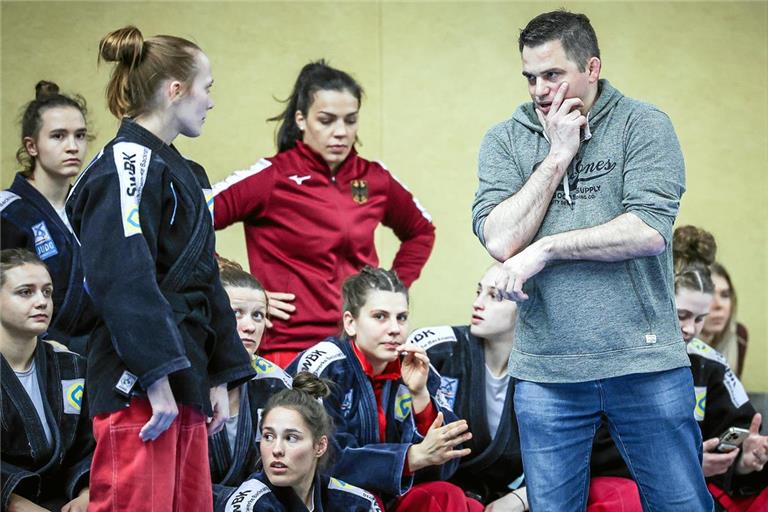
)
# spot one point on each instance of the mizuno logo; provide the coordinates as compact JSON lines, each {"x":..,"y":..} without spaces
{"x":299,"y":179}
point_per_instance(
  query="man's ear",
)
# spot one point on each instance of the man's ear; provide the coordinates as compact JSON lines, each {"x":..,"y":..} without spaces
{"x":593,"y":68}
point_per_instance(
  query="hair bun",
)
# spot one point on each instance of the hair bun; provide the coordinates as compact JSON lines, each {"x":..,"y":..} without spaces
{"x":124,"y":45}
{"x":227,"y":264}
{"x":311,"y":384}
{"x":692,"y":245}
{"x":45,"y":90}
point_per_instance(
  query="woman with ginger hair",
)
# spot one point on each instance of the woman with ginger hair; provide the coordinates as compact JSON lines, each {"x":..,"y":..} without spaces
{"x":166,"y":348}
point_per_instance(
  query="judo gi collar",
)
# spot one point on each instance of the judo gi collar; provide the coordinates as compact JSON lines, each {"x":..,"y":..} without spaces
{"x":391,"y":371}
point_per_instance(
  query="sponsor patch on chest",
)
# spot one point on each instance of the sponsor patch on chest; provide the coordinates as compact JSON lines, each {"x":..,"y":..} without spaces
{"x":132,"y":162}
{"x":72,"y":392}
{"x":44,"y":245}
{"x":403,"y":403}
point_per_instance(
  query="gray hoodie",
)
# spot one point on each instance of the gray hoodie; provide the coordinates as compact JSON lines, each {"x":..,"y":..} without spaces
{"x":587,"y":320}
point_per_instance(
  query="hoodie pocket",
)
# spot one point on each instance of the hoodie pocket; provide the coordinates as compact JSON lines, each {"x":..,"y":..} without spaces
{"x":585,"y":307}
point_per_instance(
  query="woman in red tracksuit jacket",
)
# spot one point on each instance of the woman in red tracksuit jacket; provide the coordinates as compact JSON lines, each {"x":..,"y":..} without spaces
{"x":310,"y":212}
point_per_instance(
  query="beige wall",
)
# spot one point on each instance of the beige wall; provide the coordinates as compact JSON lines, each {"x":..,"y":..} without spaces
{"x":437,"y":75}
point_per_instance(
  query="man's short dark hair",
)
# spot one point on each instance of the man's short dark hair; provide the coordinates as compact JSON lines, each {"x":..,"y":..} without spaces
{"x":573,"y":30}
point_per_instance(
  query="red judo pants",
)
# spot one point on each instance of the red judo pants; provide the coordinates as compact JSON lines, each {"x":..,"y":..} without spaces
{"x":168,"y":474}
{"x":436,"y":497}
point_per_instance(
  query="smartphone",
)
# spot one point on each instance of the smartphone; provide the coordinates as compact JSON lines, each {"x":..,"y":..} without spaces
{"x":732,"y":439}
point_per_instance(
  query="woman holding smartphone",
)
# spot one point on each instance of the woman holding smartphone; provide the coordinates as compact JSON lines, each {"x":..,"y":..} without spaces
{"x":737,"y":478}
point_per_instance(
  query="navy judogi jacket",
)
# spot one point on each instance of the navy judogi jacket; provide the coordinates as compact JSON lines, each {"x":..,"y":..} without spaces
{"x":257,"y":494}
{"x":360,"y":457}
{"x":231,"y":468}
{"x":30,"y":466}
{"x":459,"y":358}
{"x":140,"y":213}
{"x":29,"y":221}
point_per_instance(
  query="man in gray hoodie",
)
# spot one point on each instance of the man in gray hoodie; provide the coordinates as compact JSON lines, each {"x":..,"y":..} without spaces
{"x":577,"y":195}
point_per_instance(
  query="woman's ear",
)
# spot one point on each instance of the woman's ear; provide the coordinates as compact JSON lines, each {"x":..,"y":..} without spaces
{"x":174,"y":90}
{"x":350,"y":326}
{"x":30,"y":145}
{"x":321,"y":446}
{"x":301,"y":122}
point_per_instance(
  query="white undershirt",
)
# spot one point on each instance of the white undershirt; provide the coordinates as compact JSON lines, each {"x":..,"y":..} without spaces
{"x":231,"y":425}
{"x":495,"y":393}
{"x":63,"y":215}
{"x":28,"y":379}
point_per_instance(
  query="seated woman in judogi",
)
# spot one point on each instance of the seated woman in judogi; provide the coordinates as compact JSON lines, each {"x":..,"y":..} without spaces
{"x":234,"y":451}
{"x":295,"y":430}
{"x":46,"y":433}
{"x":472,"y":362}
{"x":395,"y":434}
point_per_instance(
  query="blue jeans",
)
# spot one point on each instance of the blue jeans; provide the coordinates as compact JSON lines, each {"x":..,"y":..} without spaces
{"x":650,"y":417}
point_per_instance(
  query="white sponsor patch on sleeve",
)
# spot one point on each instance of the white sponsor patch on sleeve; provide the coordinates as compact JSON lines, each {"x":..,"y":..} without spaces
{"x":238,"y":176}
{"x":268,"y":370}
{"x":316,"y":359}
{"x":339,"y":485}
{"x":428,"y":337}
{"x":735,"y":388}
{"x":245,"y":497}
{"x":131,"y":162}
{"x":6,"y":198}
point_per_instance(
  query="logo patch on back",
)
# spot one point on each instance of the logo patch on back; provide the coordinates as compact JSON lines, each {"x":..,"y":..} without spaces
{"x":73,"y":390}
{"x":44,"y":246}
{"x":428,"y":337}
{"x":131,"y":162}
{"x":317,"y":358}
{"x":245,"y":497}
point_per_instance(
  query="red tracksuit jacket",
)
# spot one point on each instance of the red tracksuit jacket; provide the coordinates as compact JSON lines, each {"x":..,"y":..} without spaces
{"x":307,"y":231}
